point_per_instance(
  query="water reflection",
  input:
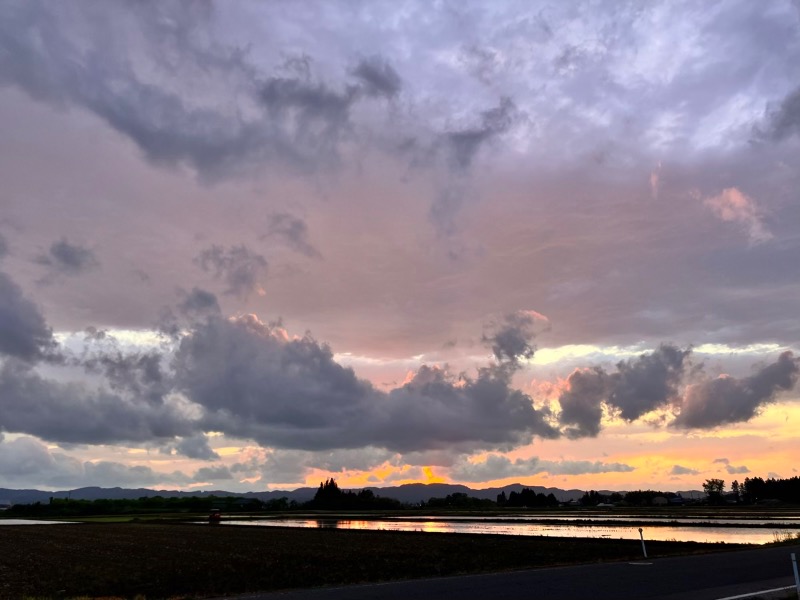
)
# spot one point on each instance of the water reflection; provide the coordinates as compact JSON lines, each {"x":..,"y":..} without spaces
{"x":680,"y":533}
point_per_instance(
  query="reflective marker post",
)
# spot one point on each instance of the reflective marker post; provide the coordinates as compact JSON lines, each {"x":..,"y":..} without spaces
{"x":796,"y":577}
{"x":644,"y":550}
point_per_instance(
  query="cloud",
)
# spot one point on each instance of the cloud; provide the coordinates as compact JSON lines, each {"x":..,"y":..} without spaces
{"x":378,"y":77}
{"x":680,"y":470}
{"x":76,"y":413}
{"x":64,"y":258}
{"x":784,"y":121}
{"x":727,"y":399}
{"x":723,"y":461}
{"x":196,"y":446}
{"x":648,"y":382}
{"x":24,"y":333}
{"x":26,"y":462}
{"x":736,"y":470}
{"x":199,"y":303}
{"x":731,"y":205}
{"x":581,"y":402}
{"x":3,"y":246}
{"x":462,"y":145}
{"x":496,"y":466}
{"x":638,"y":386}
{"x":254,"y":382}
{"x":138,"y":374}
{"x":510,"y":336}
{"x":293,"y":232}
{"x":238,"y":267}
{"x":219,"y":473}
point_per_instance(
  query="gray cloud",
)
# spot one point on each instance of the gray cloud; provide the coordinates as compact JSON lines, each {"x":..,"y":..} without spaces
{"x":64,"y":258}
{"x":3,"y":246}
{"x":196,"y":446}
{"x":736,"y":470}
{"x":582,"y":403}
{"x":724,"y":461}
{"x":138,"y":374}
{"x":680,"y":470}
{"x":199,"y":303}
{"x":255,"y":383}
{"x":24,"y":333}
{"x":511,"y":336}
{"x":308,"y":120}
{"x":638,"y":386}
{"x":220,"y":473}
{"x":499,"y":467}
{"x":378,"y":77}
{"x":238,"y":267}
{"x":26,"y":462}
{"x":729,"y":399}
{"x":76,"y":413}
{"x":647,"y":382}
{"x":293,"y":232}
{"x":783,"y":121}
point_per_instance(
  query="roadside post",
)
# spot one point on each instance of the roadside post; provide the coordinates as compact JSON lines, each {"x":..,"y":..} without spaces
{"x":644,"y":551}
{"x":796,"y":577}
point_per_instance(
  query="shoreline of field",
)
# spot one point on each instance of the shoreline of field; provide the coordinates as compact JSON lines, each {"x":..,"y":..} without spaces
{"x":182,"y":560}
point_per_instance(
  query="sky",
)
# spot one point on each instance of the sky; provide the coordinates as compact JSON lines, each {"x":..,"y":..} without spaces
{"x":250,"y":246}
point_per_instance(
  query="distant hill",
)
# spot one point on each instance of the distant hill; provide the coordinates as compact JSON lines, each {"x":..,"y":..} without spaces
{"x":411,"y":493}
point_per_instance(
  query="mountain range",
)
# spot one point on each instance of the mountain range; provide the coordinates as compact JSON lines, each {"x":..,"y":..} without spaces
{"x":411,"y":493}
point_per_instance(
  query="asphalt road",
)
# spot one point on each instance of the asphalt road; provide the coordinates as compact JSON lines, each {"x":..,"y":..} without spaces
{"x":704,"y":577}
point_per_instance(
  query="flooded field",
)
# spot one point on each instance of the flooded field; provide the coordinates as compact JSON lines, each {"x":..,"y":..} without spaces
{"x":753,"y":531}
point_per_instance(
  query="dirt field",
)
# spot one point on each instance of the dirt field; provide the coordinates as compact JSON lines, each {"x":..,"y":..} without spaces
{"x":174,"y":560}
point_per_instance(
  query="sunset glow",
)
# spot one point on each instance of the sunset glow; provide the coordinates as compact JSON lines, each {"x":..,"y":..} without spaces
{"x":255,"y":245}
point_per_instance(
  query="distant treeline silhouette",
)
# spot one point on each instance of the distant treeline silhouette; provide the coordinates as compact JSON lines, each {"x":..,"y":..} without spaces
{"x":330,"y":497}
{"x":756,"y":489}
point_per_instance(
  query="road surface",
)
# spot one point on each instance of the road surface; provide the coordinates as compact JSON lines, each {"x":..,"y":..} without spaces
{"x":703,"y":577}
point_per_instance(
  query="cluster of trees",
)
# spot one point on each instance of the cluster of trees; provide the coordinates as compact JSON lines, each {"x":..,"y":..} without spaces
{"x":526,"y":498}
{"x":330,"y":497}
{"x":633,"y":498}
{"x":755,"y":489}
{"x":458,"y":500}
{"x":65,"y":507}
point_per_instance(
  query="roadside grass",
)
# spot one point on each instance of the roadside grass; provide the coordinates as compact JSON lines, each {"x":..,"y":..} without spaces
{"x":148,"y":560}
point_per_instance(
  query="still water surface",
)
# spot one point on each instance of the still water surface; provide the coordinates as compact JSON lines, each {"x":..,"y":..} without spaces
{"x":681,"y":533}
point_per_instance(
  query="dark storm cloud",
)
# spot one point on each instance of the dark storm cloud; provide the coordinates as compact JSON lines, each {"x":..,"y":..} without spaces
{"x":256,"y":383}
{"x":3,"y":246}
{"x":378,"y":77}
{"x":783,"y":121}
{"x":511,"y":337}
{"x":638,"y":386}
{"x":648,"y":382}
{"x":307,"y":120}
{"x":726,"y":399}
{"x":238,"y":266}
{"x":582,"y":403}
{"x":75,"y":413}
{"x":64,"y":258}
{"x":139,"y":374}
{"x":79,"y":54}
{"x":196,"y":446}
{"x":24,"y":333}
{"x":293,"y":232}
